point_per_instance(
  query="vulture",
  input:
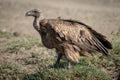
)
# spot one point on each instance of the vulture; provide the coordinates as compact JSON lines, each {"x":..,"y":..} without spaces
{"x":70,"y":38}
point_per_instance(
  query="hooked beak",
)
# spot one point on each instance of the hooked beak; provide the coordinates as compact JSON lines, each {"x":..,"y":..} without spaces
{"x":28,"y":13}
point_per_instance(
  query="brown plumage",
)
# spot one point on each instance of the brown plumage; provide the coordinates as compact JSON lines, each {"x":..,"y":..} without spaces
{"x":69,"y":37}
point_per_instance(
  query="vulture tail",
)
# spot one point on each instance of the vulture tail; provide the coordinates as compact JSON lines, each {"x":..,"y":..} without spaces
{"x":101,"y":38}
{"x":101,"y":48}
{"x":106,"y":43}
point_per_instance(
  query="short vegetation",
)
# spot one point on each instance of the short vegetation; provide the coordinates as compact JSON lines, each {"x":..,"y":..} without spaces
{"x":25,"y":58}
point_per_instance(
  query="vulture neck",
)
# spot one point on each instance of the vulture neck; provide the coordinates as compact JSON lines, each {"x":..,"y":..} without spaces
{"x":36,"y":23}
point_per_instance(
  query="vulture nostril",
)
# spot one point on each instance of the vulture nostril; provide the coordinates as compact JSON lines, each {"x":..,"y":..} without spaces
{"x":28,"y":14}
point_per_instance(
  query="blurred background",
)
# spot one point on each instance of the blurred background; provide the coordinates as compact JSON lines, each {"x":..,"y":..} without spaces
{"x":101,"y":15}
{"x":23,"y":56}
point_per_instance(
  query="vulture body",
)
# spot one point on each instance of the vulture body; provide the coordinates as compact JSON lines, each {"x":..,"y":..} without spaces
{"x":69,"y":37}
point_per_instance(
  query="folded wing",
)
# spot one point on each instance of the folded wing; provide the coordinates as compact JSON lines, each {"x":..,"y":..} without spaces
{"x":79,"y":34}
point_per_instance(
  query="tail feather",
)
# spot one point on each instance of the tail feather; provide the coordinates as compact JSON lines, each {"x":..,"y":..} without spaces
{"x":102,"y":39}
{"x":101,"y":48}
{"x":106,"y":43}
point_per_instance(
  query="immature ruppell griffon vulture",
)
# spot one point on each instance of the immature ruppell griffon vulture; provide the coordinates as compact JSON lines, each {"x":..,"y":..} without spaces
{"x":69,"y":37}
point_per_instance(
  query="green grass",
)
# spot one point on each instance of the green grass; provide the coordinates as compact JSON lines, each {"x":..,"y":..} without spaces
{"x":77,"y":72}
{"x":89,"y":68}
{"x":31,"y":61}
{"x":26,"y":42}
{"x":116,"y":47}
{"x":4,"y":34}
{"x":11,"y":71}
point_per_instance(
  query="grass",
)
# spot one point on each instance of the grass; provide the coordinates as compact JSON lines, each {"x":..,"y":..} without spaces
{"x":10,"y":71}
{"x":26,"y":42}
{"x":4,"y":34}
{"x":78,"y":72}
{"x":35,"y":62}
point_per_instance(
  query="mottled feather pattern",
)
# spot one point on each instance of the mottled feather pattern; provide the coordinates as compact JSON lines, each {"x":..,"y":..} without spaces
{"x":72,"y":38}
{"x":69,"y":37}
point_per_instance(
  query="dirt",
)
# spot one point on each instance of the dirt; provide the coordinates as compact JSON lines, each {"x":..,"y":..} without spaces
{"x":101,"y":15}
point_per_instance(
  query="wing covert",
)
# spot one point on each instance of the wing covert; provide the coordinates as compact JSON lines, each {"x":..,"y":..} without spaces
{"x":78,"y":35}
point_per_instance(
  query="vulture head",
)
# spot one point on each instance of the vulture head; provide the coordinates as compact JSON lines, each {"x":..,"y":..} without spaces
{"x":34,"y":13}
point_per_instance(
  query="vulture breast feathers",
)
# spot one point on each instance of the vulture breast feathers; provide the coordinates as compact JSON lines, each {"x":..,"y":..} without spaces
{"x":77,"y":34}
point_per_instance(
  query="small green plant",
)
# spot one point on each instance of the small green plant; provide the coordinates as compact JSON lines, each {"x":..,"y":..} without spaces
{"x":115,"y":34}
{"x":30,"y":61}
{"x":116,"y":47}
{"x":4,"y":34}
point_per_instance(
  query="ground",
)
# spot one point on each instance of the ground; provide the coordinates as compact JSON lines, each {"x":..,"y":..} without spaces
{"x":22,"y":55}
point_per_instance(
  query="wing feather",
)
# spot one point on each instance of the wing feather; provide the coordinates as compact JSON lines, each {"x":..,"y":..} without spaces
{"x":79,"y":35}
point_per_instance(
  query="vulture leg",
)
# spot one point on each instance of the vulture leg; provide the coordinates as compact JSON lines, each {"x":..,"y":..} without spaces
{"x":59,"y":55}
{"x":69,"y":64}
